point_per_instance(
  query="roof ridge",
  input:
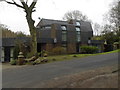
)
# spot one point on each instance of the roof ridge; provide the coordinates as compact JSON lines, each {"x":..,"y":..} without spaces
{"x":53,"y":20}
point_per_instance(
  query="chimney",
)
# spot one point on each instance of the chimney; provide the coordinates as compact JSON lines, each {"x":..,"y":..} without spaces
{"x":70,"y":21}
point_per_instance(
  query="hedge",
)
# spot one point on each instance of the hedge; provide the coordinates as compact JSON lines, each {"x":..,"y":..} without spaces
{"x":89,"y":49}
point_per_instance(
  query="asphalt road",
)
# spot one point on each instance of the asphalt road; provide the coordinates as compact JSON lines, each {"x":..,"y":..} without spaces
{"x":33,"y":76}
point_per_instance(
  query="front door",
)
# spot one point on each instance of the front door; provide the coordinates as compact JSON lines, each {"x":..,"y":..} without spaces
{"x":78,"y":48}
{"x":7,"y":54}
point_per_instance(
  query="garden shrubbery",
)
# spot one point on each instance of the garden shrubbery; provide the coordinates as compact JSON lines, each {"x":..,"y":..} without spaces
{"x":89,"y":49}
{"x":13,"y":62}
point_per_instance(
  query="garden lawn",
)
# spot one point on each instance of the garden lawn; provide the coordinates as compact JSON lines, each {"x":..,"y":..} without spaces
{"x":73,"y":56}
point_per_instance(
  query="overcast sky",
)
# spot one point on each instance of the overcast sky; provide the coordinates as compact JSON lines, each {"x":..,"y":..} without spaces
{"x":14,"y":17}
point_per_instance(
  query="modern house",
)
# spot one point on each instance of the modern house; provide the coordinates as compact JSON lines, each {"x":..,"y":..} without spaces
{"x":52,"y":33}
{"x":70,"y":35}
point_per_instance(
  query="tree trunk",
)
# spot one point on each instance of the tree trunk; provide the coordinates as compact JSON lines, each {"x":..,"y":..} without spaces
{"x":32,"y":29}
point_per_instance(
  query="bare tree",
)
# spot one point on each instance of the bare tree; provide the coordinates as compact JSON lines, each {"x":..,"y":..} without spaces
{"x":96,"y":29}
{"x":76,"y":14}
{"x":29,"y":9}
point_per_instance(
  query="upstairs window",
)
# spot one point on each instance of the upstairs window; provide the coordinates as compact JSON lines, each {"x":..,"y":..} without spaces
{"x":64,"y":36}
{"x":78,"y":34}
{"x":47,"y":27}
{"x":63,"y":27}
{"x":78,"y":23}
{"x":77,"y":28}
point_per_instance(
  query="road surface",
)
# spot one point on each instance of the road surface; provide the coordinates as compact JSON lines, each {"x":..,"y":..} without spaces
{"x":32,"y":76}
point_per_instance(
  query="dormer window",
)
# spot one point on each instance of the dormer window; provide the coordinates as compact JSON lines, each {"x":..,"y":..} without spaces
{"x":63,"y":27}
{"x":47,"y":27}
{"x":78,"y":23}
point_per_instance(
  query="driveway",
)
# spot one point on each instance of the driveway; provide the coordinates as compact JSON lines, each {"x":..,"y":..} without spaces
{"x":33,"y":76}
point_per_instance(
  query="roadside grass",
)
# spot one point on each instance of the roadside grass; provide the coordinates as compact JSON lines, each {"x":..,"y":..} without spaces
{"x":66,"y":57}
{"x":73,"y":56}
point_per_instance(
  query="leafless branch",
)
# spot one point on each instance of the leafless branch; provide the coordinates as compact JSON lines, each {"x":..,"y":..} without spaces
{"x":26,"y":1}
{"x":25,"y":6}
{"x":33,"y":10}
{"x":33,"y":4}
{"x":14,"y":3}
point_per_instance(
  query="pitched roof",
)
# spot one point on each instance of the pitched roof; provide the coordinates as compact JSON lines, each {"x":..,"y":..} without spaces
{"x":86,"y":26}
{"x":51,"y":21}
{"x":11,"y":42}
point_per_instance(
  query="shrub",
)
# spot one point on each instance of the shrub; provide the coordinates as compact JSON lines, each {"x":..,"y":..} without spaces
{"x":16,"y":52}
{"x":53,"y":59}
{"x":58,"y":50}
{"x":74,"y":55}
{"x":89,"y":49}
{"x":13,"y":62}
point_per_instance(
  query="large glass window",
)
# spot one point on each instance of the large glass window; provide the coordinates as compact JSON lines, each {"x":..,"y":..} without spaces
{"x":78,"y":37}
{"x":64,"y":36}
{"x":77,"y":28}
{"x":78,"y":23}
{"x":78,"y":34}
{"x":64,"y":46}
{"x":47,"y":27}
{"x":63,"y":27}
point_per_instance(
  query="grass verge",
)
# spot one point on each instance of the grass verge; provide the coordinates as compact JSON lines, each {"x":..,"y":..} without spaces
{"x":74,"y":56}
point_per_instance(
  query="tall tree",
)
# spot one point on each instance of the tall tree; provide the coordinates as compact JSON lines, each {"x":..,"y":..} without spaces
{"x":76,"y":14}
{"x":97,"y":28}
{"x":115,"y":13}
{"x":5,"y":32}
{"x":112,"y":28}
{"x":29,"y":9}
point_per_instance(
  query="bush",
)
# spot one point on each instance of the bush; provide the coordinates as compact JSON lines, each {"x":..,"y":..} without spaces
{"x":74,"y":55}
{"x":13,"y":62}
{"x":89,"y":49}
{"x":16,"y":52}
{"x":58,"y":50}
{"x":53,"y":59}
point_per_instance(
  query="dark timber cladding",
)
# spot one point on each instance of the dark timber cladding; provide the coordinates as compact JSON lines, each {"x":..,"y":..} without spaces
{"x":71,"y":34}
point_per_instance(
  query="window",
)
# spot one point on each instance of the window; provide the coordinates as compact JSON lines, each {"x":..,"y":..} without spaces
{"x":78,"y":34}
{"x":64,"y":46}
{"x":77,"y":28}
{"x":78,"y":23}
{"x":47,"y":27}
{"x":78,"y":37}
{"x":63,"y":27}
{"x":64,"y":36}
